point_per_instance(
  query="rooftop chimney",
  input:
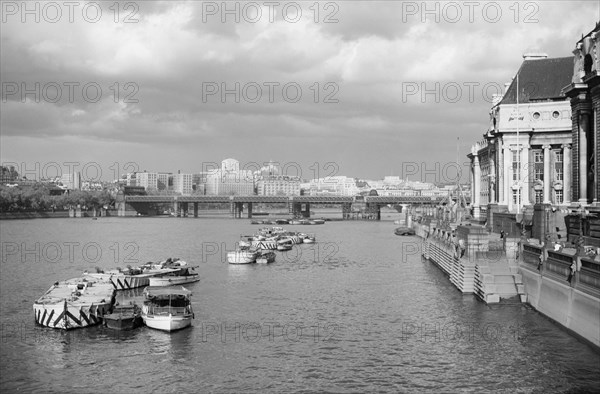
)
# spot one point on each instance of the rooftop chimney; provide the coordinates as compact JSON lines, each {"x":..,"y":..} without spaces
{"x":535,"y":55}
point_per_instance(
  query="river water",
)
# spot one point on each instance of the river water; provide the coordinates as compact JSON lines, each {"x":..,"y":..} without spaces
{"x":358,"y":311}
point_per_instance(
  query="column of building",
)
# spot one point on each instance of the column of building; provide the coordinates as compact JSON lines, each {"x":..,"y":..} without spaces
{"x":546,"y":197}
{"x":524,"y":175}
{"x":584,"y":123}
{"x":476,"y":185}
{"x":596,"y":149}
{"x":501,"y":174}
{"x":507,"y":177}
{"x":566,"y":173}
{"x":492,"y":179}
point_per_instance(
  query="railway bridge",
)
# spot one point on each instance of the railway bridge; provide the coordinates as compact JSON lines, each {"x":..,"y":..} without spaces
{"x":298,"y":206}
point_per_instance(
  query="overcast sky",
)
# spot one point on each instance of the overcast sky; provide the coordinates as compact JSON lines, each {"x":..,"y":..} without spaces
{"x":360,"y":77}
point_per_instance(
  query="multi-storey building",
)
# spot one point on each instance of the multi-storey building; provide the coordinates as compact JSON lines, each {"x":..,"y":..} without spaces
{"x":162,"y":180}
{"x":71,"y":181}
{"x":524,"y":157}
{"x":8,"y":174}
{"x":182,"y":183}
{"x":584,"y":93}
{"x":278,"y":185}
{"x":334,"y":185}
{"x":148,"y":180}
{"x":229,"y":180}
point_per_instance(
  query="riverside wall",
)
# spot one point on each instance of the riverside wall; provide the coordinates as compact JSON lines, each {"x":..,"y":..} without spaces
{"x":574,"y":305}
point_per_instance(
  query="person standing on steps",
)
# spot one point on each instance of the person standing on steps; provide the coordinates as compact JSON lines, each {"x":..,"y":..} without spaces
{"x":572,"y":272}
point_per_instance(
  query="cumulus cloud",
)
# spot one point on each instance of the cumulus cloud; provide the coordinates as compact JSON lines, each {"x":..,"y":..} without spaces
{"x":352,"y":73}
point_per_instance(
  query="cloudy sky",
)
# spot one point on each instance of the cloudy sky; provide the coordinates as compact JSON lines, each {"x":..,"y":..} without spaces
{"x":168,"y":86}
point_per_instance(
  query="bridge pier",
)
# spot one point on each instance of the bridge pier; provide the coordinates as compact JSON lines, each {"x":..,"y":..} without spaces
{"x":238,"y":209}
{"x":347,"y":211}
{"x":249,"y":210}
{"x":195,"y":209}
{"x":373,"y":211}
{"x":296,"y":209}
{"x":306,"y":212}
{"x":176,"y":207}
{"x":405,"y":210}
{"x":121,"y":208}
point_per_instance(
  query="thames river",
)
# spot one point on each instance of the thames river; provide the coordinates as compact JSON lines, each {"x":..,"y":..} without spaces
{"x":359,"y":311}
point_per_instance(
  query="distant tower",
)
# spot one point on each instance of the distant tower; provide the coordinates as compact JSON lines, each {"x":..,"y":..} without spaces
{"x":230,"y":165}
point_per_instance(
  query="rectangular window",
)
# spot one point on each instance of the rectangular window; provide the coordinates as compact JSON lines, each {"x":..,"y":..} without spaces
{"x":516,"y":197}
{"x":516,"y":166}
{"x":558,"y":156}
{"x":538,"y":173}
{"x":559,"y":172}
{"x":539,"y":196}
{"x":558,"y":194}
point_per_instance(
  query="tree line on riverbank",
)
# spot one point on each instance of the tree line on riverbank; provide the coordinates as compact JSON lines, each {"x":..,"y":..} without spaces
{"x":38,"y":198}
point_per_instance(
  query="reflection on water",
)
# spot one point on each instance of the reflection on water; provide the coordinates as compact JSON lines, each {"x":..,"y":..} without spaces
{"x":349,"y":313}
{"x":239,"y":272}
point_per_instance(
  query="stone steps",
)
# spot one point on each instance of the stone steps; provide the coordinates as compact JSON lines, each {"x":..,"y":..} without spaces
{"x":495,"y":281}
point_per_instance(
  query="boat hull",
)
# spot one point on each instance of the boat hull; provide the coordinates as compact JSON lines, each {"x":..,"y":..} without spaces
{"x":241,"y":257}
{"x":68,"y":316}
{"x":124,"y":282}
{"x":168,"y":322}
{"x":74,"y":303}
{"x":403,"y":231}
{"x":123,"y":322}
{"x":173,"y":280}
{"x":266,"y":258}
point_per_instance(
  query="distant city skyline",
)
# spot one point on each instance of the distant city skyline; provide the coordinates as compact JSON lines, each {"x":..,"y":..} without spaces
{"x":410,"y":84}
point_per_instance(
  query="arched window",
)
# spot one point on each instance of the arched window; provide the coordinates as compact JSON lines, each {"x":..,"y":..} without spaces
{"x":587,"y":64}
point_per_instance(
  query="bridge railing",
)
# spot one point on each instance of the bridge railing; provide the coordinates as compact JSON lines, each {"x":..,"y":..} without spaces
{"x":286,"y":199}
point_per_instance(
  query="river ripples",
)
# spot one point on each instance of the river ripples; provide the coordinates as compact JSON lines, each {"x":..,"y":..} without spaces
{"x":357,"y":311}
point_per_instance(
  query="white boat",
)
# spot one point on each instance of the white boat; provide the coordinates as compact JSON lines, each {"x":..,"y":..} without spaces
{"x":74,"y":303}
{"x":242,"y":256}
{"x":167,"y":308}
{"x":180,"y":277}
{"x":131,"y":278}
{"x":284,"y":247}
{"x":308,"y":239}
{"x":266,"y":258}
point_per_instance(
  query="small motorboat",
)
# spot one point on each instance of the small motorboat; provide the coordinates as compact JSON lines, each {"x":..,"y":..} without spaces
{"x":308,"y":239}
{"x":242,"y":256}
{"x":404,"y":231}
{"x":185,"y":275}
{"x":167,"y":308}
{"x":284,"y":247}
{"x":266,"y":258}
{"x":134,"y":277}
{"x":124,"y":317}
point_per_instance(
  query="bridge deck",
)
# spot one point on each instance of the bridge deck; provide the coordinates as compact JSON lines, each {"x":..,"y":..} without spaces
{"x":284,"y":199}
